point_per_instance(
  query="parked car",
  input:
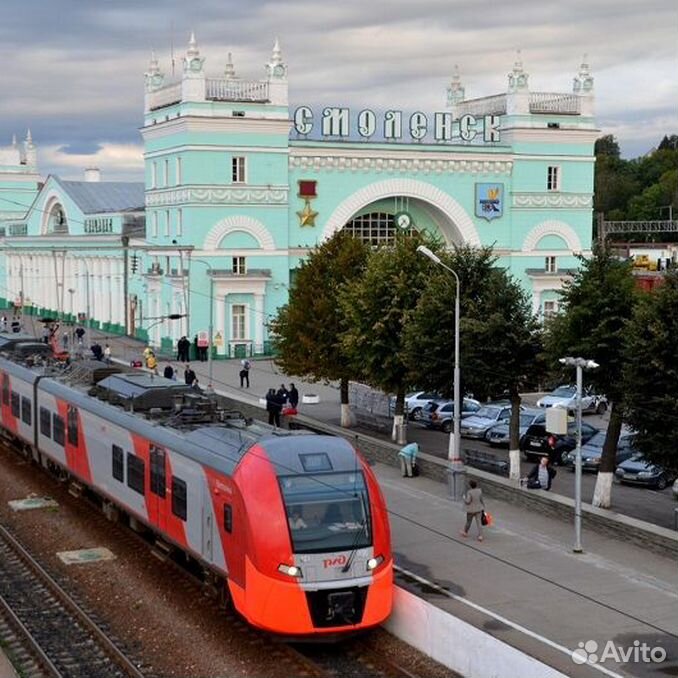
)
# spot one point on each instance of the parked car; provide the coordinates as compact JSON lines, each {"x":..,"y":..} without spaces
{"x":637,"y":470}
{"x":478,"y":424}
{"x":439,"y":414}
{"x":415,"y":403}
{"x":499,"y":434}
{"x":592,"y":451}
{"x":566,"y":396}
{"x":538,"y":442}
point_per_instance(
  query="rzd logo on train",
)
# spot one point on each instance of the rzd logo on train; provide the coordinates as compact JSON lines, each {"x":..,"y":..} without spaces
{"x":334,"y":562}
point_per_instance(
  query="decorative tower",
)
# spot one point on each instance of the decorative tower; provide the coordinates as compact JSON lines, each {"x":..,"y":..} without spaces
{"x":153,"y":80}
{"x":193,"y":81}
{"x":518,"y":95}
{"x":583,"y":86}
{"x":276,"y":70}
{"x":229,"y":71}
{"x":30,"y":151}
{"x":455,"y":92}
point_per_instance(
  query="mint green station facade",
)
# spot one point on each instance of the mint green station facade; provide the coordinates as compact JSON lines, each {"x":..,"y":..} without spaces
{"x":239,"y":185}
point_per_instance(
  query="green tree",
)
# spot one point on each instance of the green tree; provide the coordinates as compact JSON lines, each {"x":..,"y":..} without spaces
{"x":499,"y":335}
{"x":651,"y":374}
{"x":596,"y":307}
{"x":607,"y":145}
{"x":378,"y":307}
{"x":307,"y":329}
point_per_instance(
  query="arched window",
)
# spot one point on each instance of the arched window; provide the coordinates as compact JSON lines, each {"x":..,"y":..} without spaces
{"x":375,"y":228}
{"x":57,"y":220}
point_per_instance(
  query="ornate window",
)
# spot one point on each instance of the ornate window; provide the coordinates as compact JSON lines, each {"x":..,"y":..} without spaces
{"x":57,"y":220}
{"x":238,"y":325}
{"x":550,"y":264}
{"x":375,"y":228}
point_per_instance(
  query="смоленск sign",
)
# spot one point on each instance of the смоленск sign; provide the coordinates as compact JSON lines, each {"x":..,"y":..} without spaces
{"x":338,"y":122}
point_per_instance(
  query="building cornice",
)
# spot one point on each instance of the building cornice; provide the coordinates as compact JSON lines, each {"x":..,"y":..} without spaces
{"x":220,"y":148}
{"x":555,"y":137}
{"x":193,"y":123}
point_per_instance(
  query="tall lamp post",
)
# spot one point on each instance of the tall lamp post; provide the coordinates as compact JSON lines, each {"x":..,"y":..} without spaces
{"x":580,"y":364}
{"x":211,"y":326}
{"x":454,"y":449}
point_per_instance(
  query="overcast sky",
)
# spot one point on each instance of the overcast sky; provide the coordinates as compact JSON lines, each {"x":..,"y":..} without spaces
{"x":72,"y":70}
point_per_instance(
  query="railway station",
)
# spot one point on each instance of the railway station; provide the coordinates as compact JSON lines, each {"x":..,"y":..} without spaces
{"x":240,"y":182}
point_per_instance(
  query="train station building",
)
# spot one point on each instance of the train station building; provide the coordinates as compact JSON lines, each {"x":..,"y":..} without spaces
{"x":239,"y":185}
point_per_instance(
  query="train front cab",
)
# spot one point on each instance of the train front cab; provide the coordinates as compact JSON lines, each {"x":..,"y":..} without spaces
{"x":318,"y":558}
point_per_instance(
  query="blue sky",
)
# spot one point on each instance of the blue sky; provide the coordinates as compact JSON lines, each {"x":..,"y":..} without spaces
{"x":73,"y":70}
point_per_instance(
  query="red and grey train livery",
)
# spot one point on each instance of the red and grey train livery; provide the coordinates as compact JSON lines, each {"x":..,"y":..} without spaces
{"x":292,"y":525}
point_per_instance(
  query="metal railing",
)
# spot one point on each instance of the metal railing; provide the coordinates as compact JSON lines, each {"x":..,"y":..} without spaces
{"x":221,"y":89}
{"x":554,"y":102}
{"x":491,"y":105}
{"x":165,"y":96}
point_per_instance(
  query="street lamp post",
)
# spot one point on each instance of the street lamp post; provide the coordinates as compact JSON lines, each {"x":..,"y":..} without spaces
{"x":580,"y":364}
{"x":454,"y":449}
{"x":211,"y":326}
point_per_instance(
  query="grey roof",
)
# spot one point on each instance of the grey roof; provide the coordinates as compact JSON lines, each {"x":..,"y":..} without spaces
{"x":96,"y":197}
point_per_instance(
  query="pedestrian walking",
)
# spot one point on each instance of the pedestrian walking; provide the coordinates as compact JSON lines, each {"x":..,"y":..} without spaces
{"x":80,"y":333}
{"x":245,"y":373}
{"x":196,"y":349}
{"x":189,"y":375}
{"x":282,"y":394}
{"x":3,"y":324}
{"x":97,"y":351}
{"x":475,"y":505}
{"x":64,"y":340}
{"x":274,"y":406}
{"x":541,"y":476}
{"x":45,"y":334}
{"x":408,"y":460}
{"x":168,"y":372}
{"x":152,"y":362}
{"x":182,"y":350}
{"x":293,"y":396}
{"x":107,"y":354}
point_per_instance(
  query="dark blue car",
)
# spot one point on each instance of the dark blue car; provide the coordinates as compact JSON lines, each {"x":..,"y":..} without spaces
{"x":639,"y":471}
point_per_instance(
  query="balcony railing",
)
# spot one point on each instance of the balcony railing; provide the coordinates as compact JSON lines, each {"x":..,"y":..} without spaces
{"x":540,"y":102}
{"x":221,"y":89}
{"x":165,"y":96}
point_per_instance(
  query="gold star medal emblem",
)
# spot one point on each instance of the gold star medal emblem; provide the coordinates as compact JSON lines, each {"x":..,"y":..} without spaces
{"x":307,"y":215}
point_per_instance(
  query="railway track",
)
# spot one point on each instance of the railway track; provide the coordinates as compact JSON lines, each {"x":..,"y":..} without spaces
{"x":45,"y":631}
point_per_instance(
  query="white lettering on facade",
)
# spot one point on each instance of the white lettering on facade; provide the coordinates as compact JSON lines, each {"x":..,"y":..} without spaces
{"x":491,"y":128}
{"x":442,"y":126}
{"x":335,"y":122}
{"x":418,"y":126}
{"x":303,"y":120}
{"x":393,"y":125}
{"x":467,"y":130}
{"x":367,"y":123}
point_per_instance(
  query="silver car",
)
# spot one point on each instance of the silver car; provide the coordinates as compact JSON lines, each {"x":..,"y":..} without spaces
{"x":478,"y":424}
{"x":440,"y":413}
{"x":500,"y":433}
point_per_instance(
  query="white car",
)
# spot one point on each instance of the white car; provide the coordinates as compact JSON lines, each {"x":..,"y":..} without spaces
{"x":415,"y":403}
{"x":566,"y":397}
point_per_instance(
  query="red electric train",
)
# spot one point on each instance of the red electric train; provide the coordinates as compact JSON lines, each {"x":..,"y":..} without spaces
{"x":290,"y":525}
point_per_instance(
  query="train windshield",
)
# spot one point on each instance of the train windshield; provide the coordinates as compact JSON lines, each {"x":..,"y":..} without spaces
{"x":327,"y":512}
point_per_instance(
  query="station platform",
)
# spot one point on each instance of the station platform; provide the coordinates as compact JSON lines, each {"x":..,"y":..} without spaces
{"x":525,"y":586}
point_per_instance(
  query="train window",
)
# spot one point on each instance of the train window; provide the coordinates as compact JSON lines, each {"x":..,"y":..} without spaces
{"x":26,"y":411}
{"x":16,"y":404}
{"x":157,"y":471}
{"x":72,"y":424}
{"x":5,"y":389}
{"x":118,"y":463}
{"x":313,"y":463}
{"x":228,"y":518}
{"x":58,"y":429}
{"x":135,"y":473}
{"x":45,"y":422}
{"x":179,"y":498}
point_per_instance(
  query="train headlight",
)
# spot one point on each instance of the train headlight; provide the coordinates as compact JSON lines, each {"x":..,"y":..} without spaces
{"x":373,"y":563}
{"x":290,"y":570}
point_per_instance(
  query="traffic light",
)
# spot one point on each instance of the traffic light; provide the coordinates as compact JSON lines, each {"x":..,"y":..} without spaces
{"x":134,"y":263}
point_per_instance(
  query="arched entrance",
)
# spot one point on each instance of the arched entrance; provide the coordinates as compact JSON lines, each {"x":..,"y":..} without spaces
{"x":429,"y":208}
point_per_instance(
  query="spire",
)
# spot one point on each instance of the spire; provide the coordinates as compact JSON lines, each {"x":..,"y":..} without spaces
{"x":517,"y":78}
{"x":583,"y":81}
{"x":153,"y":66}
{"x":229,"y":71}
{"x":192,"y":50}
{"x":276,"y":57}
{"x":29,"y":138}
{"x":13,"y":140}
{"x":455,"y":91}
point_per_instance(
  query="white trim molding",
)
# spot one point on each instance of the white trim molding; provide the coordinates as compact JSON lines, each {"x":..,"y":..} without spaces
{"x":218,"y":195}
{"x":461,"y":224}
{"x":552,"y":227}
{"x":245,"y":224}
{"x":552,"y":200}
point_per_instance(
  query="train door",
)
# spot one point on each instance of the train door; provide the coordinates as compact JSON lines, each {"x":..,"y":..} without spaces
{"x":207,"y":530}
{"x":158,"y":460}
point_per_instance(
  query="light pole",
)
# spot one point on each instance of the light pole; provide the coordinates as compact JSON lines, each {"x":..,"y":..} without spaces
{"x":454,"y":449}
{"x":581,"y":364}
{"x":211,"y":326}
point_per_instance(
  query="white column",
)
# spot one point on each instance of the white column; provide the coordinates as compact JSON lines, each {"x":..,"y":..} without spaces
{"x":220,"y":320}
{"x":258,"y":323}
{"x":536,"y":301}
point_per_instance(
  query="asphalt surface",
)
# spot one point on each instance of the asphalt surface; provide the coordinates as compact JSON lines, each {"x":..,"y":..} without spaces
{"x":639,"y":502}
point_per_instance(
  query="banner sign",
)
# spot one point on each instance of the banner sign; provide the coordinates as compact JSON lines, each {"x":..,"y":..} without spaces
{"x":489,"y":201}
{"x":338,"y":122}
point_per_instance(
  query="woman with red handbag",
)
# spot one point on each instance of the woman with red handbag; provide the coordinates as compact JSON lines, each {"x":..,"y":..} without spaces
{"x":475,"y":507}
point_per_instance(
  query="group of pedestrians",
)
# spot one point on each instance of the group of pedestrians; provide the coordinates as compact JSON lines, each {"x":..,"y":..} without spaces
{"x":283,"y":400}
{"x":184,"y":349}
